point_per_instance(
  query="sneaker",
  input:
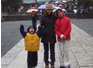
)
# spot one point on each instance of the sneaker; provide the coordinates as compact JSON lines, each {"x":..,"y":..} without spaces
{"x":47,"y":66}
{"x":52,"y":66}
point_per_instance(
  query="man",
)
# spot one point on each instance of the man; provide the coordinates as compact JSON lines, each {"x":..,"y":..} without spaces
{"x":34,"y":19}
{"x":49,"y":38}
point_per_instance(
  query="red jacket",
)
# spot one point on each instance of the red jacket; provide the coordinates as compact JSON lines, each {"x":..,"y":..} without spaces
{"x":63,"y":26}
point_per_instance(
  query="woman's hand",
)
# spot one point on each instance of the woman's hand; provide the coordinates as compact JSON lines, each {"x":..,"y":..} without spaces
{"x":64,"y":37}
{"x":39,"y":25}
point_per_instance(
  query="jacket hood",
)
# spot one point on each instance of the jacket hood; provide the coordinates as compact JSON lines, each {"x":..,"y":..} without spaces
{"x":62,"y":12}
{"x":31,"y":26}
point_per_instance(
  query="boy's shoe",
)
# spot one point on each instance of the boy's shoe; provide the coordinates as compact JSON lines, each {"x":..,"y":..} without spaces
{"x":47,"y":66}
{"x":52,"y":66}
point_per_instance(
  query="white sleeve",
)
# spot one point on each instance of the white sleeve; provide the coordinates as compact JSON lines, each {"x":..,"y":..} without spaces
{"x":61,"y":36}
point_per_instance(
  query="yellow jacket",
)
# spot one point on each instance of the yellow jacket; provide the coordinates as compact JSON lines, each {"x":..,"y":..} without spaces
{"x":32,"y":42}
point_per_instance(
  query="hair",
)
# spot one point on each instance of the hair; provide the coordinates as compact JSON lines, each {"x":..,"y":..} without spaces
{"x":57,"y":12}
{"x":30,"y":27}
{"x":33,"y":11}
{"x":52,"y":15}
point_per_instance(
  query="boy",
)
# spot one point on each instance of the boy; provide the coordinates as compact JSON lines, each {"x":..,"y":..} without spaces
{"x":32,"y":43}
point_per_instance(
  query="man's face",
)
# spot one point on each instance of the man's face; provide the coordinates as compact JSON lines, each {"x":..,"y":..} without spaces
{"x":49,"y":11}
{"x":33,"y":12}
{"x":60,"y":14}
{"x":31,"y":30}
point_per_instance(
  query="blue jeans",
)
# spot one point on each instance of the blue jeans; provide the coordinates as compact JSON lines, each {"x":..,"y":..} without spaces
{"x":46,"y":53}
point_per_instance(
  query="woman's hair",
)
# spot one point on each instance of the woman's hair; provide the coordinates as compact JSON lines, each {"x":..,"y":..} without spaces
{"x":57,"y":12}
{"x":52,"y":15}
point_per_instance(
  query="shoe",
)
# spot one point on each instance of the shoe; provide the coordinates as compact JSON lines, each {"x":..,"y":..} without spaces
{"x":47,"y":66}
{"x":31,"y":67}
{"x":68,"y":66}
{"x":52,"y":66}
{"x":62,"y":66}
{"x":65,"y":66}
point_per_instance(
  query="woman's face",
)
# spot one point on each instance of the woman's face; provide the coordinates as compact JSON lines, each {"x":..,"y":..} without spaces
{"x":49,"y":11}
{"x":60,"y":14}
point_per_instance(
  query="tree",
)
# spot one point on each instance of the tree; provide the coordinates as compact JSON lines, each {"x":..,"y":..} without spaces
{"x":11,"y":3}
{"x":14,"y":2}
{"x":85,"y":1}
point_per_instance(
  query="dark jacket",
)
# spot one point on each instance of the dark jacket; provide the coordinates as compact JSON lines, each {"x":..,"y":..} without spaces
{"x":34,"y":18}
{"x":39,"y":32}
{"x":48,"y":22}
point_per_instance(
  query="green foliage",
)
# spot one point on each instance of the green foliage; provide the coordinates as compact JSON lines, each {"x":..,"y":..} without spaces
{"x":3,"y":1}
{"x":85,"y":1}
{"x":91,"y":2}
{"x":12,"y":3}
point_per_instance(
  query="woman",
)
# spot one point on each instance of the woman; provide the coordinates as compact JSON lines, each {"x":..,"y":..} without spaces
{"x":49,"y":37}
{"x":63,"y":29}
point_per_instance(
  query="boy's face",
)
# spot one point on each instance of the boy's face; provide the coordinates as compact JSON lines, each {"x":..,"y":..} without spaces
{"x":31,"y":30}
{"x":60,"y":14}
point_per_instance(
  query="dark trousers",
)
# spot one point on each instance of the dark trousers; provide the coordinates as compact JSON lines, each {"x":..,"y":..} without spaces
{"x":32,"y":59}
{"x":46,"y":53}
{"x":34,"y":24}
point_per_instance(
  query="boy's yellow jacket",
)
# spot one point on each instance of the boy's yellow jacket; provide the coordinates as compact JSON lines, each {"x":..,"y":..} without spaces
{"x":32,"y":42}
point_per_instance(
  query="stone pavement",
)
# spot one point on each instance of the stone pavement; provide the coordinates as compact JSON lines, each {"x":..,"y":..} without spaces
{"x":81,"y":52}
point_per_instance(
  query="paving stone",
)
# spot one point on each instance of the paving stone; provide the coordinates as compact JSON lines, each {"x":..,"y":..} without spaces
{"x":80,"y":53}
{"x":7,"y":58}
{"x":19,"y":61}
{"x":86,"y":67}
{"x":79,"y":48}
{"x":4,"y":65}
